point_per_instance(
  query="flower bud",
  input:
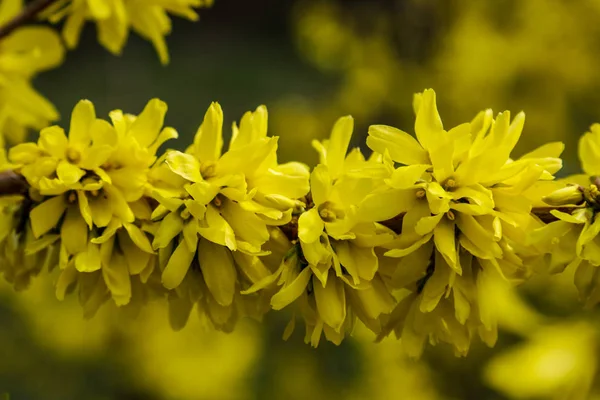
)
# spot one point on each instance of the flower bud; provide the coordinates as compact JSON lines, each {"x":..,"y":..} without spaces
{"x":567,"y":195}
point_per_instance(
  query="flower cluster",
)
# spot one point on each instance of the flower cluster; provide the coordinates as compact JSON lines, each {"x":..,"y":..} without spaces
{"x":415,"y":239}
{"x":114,"y":18}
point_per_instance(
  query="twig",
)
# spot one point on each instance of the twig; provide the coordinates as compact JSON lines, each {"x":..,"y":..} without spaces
{"x":12,"y":184}
{"x":544,"y":214}
{"x":27,"y":15}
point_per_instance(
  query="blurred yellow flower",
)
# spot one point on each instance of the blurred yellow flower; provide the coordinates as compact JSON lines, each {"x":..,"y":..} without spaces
{"x":149,"y":18}
{"x":24,"y":53}
{"x":557,"y":362}
{"x":572,"y":240}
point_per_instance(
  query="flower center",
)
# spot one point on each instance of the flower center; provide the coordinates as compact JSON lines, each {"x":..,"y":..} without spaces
{"x":72,"y":197}
{"x":328,"y":212}
{"x":449,"y":184}
{"x":73,"y":155}
{"x":207,"y":170}
{"x":218,"y":200}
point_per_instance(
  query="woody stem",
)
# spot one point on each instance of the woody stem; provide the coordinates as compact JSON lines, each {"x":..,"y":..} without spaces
{"x":27,"y":15}
{"x":12,"y":183}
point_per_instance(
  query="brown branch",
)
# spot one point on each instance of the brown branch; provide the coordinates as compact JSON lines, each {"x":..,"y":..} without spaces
{"x":543,"y":213}
{"x":27,"y":15}
{"x":12,"y":183}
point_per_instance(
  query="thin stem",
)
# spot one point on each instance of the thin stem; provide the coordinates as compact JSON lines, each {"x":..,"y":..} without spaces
{"x":26,"y":16}
{"x":12,"y":184}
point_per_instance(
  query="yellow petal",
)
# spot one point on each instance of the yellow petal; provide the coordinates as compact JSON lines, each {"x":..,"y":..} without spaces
{"x":436,"y":286}
{"x":101,"y":210}
{"x":310,"y":226}
{"x":84,"y":208}
{"x":99,"y":9}
{"x":190,"y":234}
{"x":89,"y":261}
{"x":46,"y":216}
{"x":292,"y":291}
{"x":246,"y":225}
{"x":139,"y":238}
{"x":95,"y":156}
{"x":65,"y":281}
{"x":250,"y":159}
{"x":119,"y":206}
{"x":116,"y":277}
{"x":402,"y":147}
{"x":203,"y":192}
{"x":382,"y":206}
{"x":589,"y":151}
{"x":82,"y":117}
{"x":218,"y":230}
{"x":218,"y":271}
{"x":406,"y":177}
{"x":184,"y":165}
{"x":331,"y":301}
{"x":320,"y":184}
{"x":74,"y":231}
{"x":108,"y":232}
{"x":444,"y":239}
{"x":178,"y":266}
{"x":441,"y":155}
{"x":197,"y":210}
{"x":53,"y":141}
{"x":208,"y":141}
{"x":146,"y":127}
{"x":428,"y":124}
{"x":338,"y":145}
{"x":136,"y":258}
{"x":69,"y":173}
{"x":169,"y":227}
{"x":253,"y":126}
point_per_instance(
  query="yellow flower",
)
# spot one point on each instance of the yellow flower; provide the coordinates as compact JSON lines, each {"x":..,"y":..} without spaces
{"x":466,"y":217}
{"x":149,"y":18}
{"x":331,"y":273}
{"x":556,"y":362}
{"x":23,"y":54}
{"x":215,"y":211}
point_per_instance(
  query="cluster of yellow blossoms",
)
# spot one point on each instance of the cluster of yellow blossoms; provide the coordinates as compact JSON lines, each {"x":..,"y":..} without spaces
{"x":413,"y":240}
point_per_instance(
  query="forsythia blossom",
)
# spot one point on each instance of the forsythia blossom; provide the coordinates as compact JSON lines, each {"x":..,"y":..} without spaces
{"x":331,"y":274}
{"x":215,"y":210}
{"x":88,"y":191}
{"x":465,"y":219}
{"x":114,"y":18}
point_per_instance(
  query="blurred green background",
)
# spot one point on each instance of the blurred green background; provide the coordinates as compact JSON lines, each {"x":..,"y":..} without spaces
{"x":311,"y":62}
